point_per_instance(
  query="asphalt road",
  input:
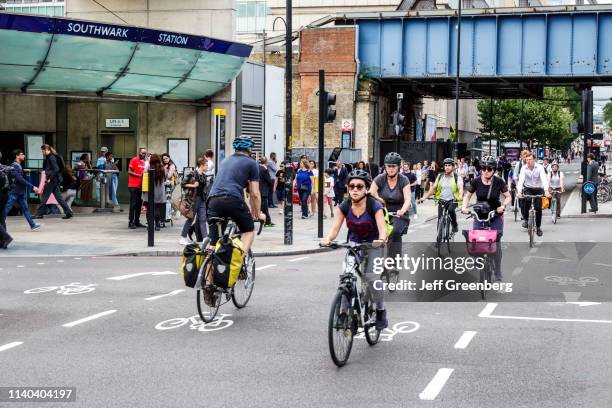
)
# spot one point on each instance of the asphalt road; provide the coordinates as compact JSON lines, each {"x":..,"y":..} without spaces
{"x":141,"y":349}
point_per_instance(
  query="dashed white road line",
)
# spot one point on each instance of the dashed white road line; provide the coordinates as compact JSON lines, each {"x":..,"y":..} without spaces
{"x":20,"y":266}
{"x":40,"y":263}
{"x":517,"y":271}
{"x":436,"y":384}
{"x":11,"y":345}
{"x":261,"y":268}
{"x":465,"y":339}
{"x":174,"y":292}
{"x":551,"y":259}
{"x":602,"y":264}
{"x":298,"y":259}
{"x":88,"y":318}
{"x":77,"y":258}
{"x":60,"y":261}
{"x":490,"y":307}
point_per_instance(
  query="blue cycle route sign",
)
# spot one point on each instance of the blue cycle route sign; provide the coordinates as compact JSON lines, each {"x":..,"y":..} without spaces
{"x":588,"y":188}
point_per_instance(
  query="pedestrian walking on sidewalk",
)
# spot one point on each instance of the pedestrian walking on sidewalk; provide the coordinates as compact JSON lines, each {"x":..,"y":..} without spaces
{"x":18,"y":195}
{"x":340,"y":178}
{"x":272,"y":169}
{"x":304,"y":179}
{"x":265,"y":183}
{"x":328,"y":195}
{"x":135,"y":172}
{"x":53,"y":167}
{"x":279,"y":187}
{"x":159,"y":193}
{"x":70,"y":185}
{"x":196,"y":187}
{"x":7,"y":178}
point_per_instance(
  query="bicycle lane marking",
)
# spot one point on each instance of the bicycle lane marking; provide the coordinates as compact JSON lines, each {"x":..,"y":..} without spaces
{"x":465,"y":339}
{"x":174,"y":292}
{"x":298,"y":259}
{"x":134,"y":275}
{"x":487,"y":312}
{"x":88,"y":318}
{"x":11,"y":345}
{"x":436,"y":384}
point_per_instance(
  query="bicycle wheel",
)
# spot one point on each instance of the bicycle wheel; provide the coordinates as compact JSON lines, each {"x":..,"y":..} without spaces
{"x":340,"y":334}
{"x":448,"y":234}
{"x":515,"y":209}
{"x":440,"y":235}
{"x":243,"y":288}
{"x":208,"y":312}
{"x":371,"y":334}
{"x":553,"y":209}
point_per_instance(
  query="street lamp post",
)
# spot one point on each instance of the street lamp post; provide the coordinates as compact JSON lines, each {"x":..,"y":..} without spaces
{"x":288,"y":221}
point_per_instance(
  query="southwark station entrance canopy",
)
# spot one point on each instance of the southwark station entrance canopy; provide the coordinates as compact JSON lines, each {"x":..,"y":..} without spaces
{"x":76,"y":56}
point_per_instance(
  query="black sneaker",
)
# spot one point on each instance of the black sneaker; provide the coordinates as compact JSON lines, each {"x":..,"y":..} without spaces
{"x":131,"y":225}
{"x":381,"y":319}
{"x":524,"y":225}
{"x":139,"y":225}
{"x":67,"y":216}
{"x":539,"y":232}
{"x":6,"y":243}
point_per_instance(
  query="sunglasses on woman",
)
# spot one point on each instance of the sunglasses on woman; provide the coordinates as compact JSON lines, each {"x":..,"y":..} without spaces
{"x":357,"y":187}
{"x":488,"y":168}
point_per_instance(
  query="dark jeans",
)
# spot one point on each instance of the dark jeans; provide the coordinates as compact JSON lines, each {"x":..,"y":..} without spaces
{"x":4,"y":236}
{"x":537,"y":205}
{"x":264,"y":209}
{"x":271,"y":196}
{"x":400,"y":227}
{"x":135,"y":204}
{"x":201,"y":229}
{"x":339,"y":193}
{"x":52,"y":187}
{"x":22,"y":201}
{"x":304,"y":202}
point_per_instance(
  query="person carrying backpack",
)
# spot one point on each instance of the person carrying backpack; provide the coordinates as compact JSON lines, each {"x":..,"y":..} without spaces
{"x":6,"y":175}
{"x":53,"y":167}
{"x":18,"y":194}
{"x":448,"y":190}
{"x":365,"y":223}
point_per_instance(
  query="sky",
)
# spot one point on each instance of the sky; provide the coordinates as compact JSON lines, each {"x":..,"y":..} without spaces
{"x":601,"y":92}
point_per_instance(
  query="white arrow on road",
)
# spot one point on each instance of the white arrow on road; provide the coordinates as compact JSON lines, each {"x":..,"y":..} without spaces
{"x":134,"y":275}
{"x":571,"y":298}
{"x":581,"y":304}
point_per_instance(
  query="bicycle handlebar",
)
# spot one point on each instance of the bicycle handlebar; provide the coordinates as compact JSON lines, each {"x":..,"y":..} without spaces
{"x":353,"y":245}
{"x":475,"y":215}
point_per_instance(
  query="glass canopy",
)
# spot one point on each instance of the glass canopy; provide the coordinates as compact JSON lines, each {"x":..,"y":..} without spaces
{"x":59,"y":54}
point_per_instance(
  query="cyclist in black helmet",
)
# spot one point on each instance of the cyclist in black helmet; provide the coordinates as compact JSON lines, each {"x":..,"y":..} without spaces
{"x":226,"y":198}
{"x":366,"y":223}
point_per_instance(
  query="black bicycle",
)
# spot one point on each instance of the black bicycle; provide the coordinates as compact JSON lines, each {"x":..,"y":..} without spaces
{"x":483,"y":243}
{"x":445,"y":226}
{"x":240,"y":293}
{"x":531,"y":219}
{"x":352,"y":308}
{"x":392,"y":275}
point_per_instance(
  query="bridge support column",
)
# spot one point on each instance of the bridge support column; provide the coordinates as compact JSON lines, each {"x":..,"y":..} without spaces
{"x":587,"y":124}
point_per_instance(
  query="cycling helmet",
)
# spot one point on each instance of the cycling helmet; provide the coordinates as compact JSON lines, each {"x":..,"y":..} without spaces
{"x":243,"y":143}
{"x":448,"y":160}
{"x":361,"y":175}
{"x":489,"y":161}
{"x":393,"y":158}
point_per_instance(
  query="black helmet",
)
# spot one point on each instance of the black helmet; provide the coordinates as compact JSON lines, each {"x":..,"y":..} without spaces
{"x":489,"y":161}
{"x":448,"y":160}
{"x":393,"y":158}
{"x":361,"y":175}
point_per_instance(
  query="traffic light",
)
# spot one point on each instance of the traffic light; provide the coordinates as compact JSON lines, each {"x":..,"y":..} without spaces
{"x":329,"y":113}
{"x":398,"y":123}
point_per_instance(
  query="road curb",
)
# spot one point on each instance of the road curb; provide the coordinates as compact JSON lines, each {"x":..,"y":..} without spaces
{"x":257,"y":254}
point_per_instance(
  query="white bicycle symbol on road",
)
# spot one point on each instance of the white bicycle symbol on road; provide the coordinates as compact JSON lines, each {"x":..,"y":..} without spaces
{"x":219,"y":323}
{"x":400,"y":327}
{"x":74,"y":288}
{"x":566,"y":280}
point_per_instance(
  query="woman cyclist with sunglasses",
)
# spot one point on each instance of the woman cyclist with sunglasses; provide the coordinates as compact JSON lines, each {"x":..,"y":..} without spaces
{"x":366,"y":223}
{"x":488,"y":188}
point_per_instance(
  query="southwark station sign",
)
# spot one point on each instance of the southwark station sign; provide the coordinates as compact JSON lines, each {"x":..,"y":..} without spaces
{"x":121,"y":33}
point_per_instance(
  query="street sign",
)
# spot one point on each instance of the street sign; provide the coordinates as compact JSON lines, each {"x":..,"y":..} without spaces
{"x":347,"y":124}
{"x":588,"y":188}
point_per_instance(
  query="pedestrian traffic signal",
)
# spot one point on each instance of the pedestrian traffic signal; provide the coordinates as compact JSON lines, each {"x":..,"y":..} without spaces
{"x":329,"y":113}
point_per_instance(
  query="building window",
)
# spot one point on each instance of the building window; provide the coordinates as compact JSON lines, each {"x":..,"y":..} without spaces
{"x":50,"y":8}
{"x":251,"y":16}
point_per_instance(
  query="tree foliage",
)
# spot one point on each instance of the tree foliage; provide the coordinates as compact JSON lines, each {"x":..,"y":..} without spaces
{"x":545,"y":122}
{"x":607,"y":113}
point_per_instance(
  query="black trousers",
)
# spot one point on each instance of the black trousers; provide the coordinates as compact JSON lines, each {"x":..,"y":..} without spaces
{"x":264,"y":209}
{"x":451,"y":212}
{"x":592,"y":199}
{"x":3,"y":234}
{"x":537,"y":205}
{"x":135,"y":204}
{"x":52,"y":187}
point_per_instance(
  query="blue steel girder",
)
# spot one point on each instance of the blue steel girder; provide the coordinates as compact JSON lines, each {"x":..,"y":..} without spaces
{"x":529,"y":48}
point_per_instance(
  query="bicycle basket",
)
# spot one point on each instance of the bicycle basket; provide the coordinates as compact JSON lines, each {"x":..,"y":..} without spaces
{"x":481,"y":242}
{"x":545,"y":203}
{"x":227,"y":262}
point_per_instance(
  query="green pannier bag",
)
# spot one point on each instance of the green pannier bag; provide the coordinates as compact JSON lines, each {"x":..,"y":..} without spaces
{"x":227,"y":262}
{"x":193,"y":258}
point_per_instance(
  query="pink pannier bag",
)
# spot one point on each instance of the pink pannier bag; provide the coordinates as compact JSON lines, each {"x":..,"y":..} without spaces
{"x":481,"y":241}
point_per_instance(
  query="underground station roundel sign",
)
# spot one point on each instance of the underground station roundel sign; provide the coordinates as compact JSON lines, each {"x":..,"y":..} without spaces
{"x":588,"y":188}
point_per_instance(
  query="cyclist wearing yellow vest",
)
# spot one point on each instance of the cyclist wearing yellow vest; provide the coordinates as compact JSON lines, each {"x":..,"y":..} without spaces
{"x":447,"y":187}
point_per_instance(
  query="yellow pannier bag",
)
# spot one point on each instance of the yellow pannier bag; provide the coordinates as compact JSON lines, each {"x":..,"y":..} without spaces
{"x":227,"y":262}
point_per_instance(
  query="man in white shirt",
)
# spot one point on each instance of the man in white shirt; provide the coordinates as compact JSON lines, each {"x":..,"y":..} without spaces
{"x":532,"y":181}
